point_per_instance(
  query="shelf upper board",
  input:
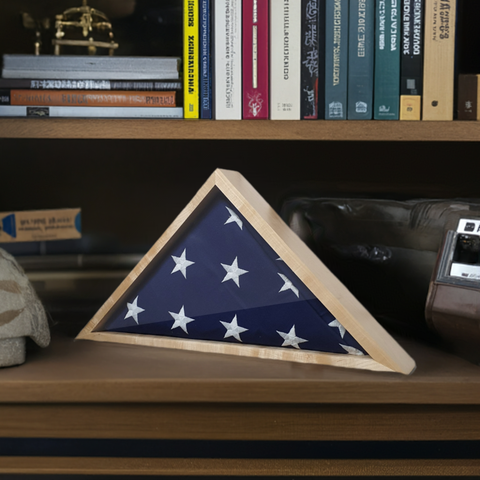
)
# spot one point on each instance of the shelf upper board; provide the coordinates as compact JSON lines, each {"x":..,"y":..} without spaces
{"x":239,"y":130}
{"x":82,"y":371}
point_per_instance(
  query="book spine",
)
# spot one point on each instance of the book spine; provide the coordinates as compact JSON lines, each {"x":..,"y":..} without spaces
{"x":439,"y":60}
{"x":387,"y":60}
{"x":191,"y":59}
{"x":228,"y":59}
{"x":321,"y":59}
{"x":411,"y":80}
{"x":255,"y":59}
{"x":4,"y":97}
{"x":23,"y":84}
{"x":411,"y":59}
{"x":90,"y":112}
{"x":467,"y":97}
{"x":285,"y":38}
{"x":360,"y":60}
{"x":205,"y":61}
{"x":336,"y":59}
{"x":146,"y":86}
{"x":87,"y":98}
{"x":309,"y":60}
{"x":478,"y":97}
{"x":92,"y":67}
{"x":7,"y":83}
{"x":410,"y":107}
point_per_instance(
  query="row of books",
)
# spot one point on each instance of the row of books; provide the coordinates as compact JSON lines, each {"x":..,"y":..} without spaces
{"x":319,"y":59}
{"x":90,"y":86}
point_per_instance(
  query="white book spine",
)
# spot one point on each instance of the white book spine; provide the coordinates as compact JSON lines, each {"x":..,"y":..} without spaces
{"x":90,"y":112}
{"x":228,"y":59}
{"x":285,"y":38}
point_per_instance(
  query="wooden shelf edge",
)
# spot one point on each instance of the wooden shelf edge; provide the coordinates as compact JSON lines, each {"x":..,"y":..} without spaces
{"x":148,"y":129}
{"x":231,"y":392}
{"x":239,"y":421}
{"x":235,"y":467}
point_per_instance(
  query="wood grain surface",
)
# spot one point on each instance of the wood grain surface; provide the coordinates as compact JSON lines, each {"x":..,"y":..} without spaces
{"x":454,"y":131}
{"x":82,"y":371}
{"x":237,"y":421}
{"x":233,"y":467}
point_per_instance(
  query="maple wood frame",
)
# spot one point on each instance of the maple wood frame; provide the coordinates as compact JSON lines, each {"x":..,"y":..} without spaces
{"x":384,"y":353}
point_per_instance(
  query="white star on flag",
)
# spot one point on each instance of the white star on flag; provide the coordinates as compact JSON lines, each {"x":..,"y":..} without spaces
{"x":233,"y":330}
{"x":181,"y":263}
{"x":233,"y":272}
{"x":340,"y":327}
{"x":180,"y":319}
{"x":288,"y":285}
{"x":351,"y":350}
{"x":291,"y":338}
{"x":234,"y":218}
{"x":134,"y":310}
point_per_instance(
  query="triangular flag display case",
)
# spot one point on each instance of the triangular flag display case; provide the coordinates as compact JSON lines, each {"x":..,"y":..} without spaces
{"x":229,"y":276}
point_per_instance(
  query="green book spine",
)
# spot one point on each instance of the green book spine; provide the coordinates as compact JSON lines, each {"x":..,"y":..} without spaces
{"x":336,"y":59}
{"x":387,"y":60}
{"x":360,"y":59}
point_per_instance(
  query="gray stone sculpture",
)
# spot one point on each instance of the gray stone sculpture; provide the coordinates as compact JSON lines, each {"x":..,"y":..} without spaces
{"x":21,"y":313}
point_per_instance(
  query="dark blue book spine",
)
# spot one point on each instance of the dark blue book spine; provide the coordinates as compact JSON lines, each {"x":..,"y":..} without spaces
{"x":309,"y":60}
{"x":205,"y":60}
{"x":360,"y":59}
{"x":336,"y":59}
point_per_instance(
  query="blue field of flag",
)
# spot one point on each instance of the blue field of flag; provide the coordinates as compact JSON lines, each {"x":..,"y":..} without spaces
{"x":217,"y":279}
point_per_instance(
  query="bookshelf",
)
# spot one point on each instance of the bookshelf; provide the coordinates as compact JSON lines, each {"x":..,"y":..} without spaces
{"x":131,"y":178}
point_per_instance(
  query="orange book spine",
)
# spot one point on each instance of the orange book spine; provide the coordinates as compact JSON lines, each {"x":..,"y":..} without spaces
{"x":82,"y":98}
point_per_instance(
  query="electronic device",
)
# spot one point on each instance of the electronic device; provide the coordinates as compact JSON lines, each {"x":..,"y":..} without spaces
{"x":453,"y":302}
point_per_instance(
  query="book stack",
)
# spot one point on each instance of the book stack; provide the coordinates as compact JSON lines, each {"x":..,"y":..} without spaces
{"x":321,"y":59}
{"x":90,"y":86}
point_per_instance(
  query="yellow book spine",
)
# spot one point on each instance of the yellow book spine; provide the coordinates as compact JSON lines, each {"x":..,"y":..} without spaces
{"x":191,"y":57}
{"x":410,"y":107}
{"x":439,"y":57}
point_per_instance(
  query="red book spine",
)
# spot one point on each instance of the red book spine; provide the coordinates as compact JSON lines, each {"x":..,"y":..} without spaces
{"x":255,"y":59}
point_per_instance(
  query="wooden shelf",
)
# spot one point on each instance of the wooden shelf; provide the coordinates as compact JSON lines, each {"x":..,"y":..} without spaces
{"x":85,"y":371}
{"x":83,"y":389}
{"x":239,"y":130}
{"x":212,"y":467}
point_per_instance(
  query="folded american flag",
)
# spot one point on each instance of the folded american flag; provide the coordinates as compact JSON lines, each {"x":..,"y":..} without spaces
{"x":217,"y":279}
